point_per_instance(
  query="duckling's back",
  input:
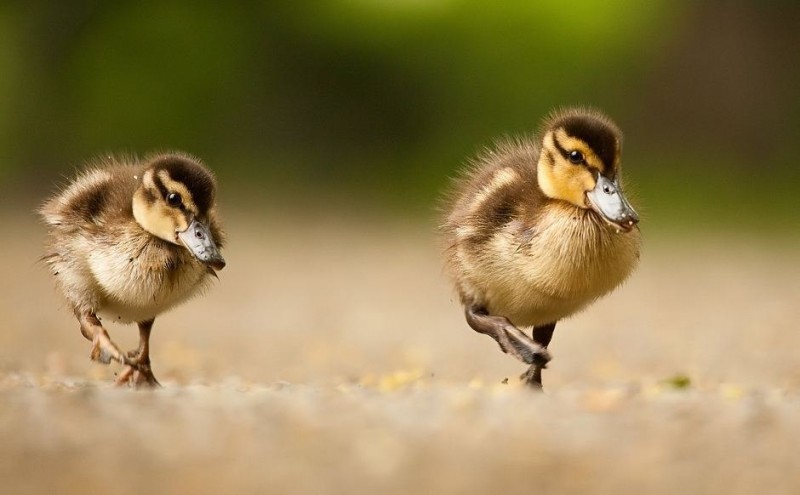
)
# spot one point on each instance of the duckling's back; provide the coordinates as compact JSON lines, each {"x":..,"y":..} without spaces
{"x":98,"y":194}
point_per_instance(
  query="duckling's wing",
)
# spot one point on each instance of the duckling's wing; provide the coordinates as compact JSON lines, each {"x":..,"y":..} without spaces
{"x":93,"y":198}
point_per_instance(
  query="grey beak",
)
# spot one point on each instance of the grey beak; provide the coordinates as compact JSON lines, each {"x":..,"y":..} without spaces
{"x":607,"y":200}
{"x":198,"y":240}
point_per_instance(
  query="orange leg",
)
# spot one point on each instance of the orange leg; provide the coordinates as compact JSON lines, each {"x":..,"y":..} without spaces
{"x":541,"y":335}
{"x":138,"y":373}
{"x":511,"y":341}
{"x":103,"y":349}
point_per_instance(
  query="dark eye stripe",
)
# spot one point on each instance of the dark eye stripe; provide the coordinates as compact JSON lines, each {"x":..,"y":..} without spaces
{"x":160,"y":186}
{"x":597,"y":136}
{"x":560,"y":148}
{"x":198,"y":182}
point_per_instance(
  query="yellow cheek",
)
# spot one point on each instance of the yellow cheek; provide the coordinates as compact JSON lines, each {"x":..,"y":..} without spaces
{"x":180,"y":223}
{"x":566,"y":182}
{"x":160,"y":223}
{"x":157,"y":220}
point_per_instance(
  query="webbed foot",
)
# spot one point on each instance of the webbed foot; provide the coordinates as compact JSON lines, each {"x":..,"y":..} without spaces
{"x":104,"y":350}
{"x":137,"y":376}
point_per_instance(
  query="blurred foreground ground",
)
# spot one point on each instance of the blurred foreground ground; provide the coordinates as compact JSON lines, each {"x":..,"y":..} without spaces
{"x":331,"y":357}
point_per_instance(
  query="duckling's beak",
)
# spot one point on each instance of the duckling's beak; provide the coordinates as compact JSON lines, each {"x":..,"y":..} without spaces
{"x":198,"y":240}
{"x":608,"y":201}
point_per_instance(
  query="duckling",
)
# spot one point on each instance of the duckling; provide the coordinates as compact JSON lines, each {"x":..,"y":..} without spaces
{"x":129,"y":239}
{"x":539,"y":228}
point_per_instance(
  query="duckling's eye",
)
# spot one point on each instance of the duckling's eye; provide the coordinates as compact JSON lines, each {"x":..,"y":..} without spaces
{"x":174,"y":199}
{"x":575,"y":157}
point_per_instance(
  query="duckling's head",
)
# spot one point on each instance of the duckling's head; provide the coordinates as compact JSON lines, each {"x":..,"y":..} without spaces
{"x":175,"y":201}
{"x":580,"y":163}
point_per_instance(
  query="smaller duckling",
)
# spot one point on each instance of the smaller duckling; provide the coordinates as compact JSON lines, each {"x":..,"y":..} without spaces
{"x":129,"y":239}
{"x":538,"y":229}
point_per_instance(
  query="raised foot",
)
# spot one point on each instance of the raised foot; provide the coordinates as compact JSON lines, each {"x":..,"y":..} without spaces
{"x":104,"y":351}
{"x":524,"y":349}
{"x":510,"y":338}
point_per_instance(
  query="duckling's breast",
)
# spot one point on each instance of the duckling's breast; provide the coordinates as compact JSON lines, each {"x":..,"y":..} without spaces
{"x":542,"y":272}
{"x":141,"y":277}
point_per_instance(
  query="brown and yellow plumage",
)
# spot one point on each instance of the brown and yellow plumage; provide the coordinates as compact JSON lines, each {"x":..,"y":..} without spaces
{"x":129,"y":239}
{"x":537,"y":229}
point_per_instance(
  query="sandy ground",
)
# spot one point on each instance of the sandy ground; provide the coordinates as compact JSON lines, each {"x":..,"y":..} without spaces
{"x":331,"y":357}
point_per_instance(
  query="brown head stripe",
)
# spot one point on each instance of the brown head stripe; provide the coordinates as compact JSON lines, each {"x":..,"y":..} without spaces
{"x":197,"y":180}
{"x":598,"y":136}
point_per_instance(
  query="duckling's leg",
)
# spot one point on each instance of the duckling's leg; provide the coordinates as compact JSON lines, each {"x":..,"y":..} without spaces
{"x":510,"y":338}
{"x":541,"y":335}
{"x":103,"y":349}
{"x":138,"y":373}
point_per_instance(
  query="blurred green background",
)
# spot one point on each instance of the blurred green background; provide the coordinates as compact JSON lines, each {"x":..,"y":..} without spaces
{"x":371,"y":105}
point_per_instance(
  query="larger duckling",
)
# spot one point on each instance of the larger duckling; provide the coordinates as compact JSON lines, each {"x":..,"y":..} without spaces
{"x":539,"y":228}
{"x":128,"y":240}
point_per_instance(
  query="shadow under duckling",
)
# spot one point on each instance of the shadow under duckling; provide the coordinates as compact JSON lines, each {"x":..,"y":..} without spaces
{"x":539,"y":228}
{"x":129,"y":239}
